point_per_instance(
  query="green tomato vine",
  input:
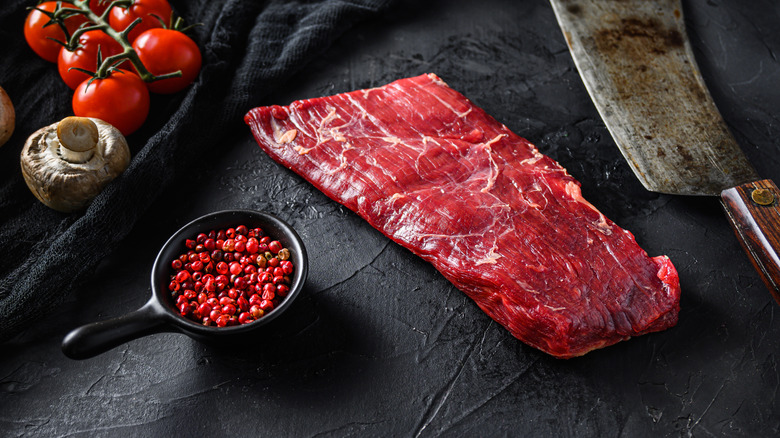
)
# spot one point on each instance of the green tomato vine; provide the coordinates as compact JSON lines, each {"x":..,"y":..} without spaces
{"x":100,"y":22}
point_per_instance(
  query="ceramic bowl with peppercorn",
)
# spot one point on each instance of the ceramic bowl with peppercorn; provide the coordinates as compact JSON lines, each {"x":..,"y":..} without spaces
{"x":224,"y":275}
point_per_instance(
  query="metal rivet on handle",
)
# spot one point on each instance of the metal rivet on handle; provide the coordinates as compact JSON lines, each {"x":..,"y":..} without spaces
{"x":762,"y":197}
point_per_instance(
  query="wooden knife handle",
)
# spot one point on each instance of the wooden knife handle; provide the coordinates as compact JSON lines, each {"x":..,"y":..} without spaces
{"x":754,"y":212}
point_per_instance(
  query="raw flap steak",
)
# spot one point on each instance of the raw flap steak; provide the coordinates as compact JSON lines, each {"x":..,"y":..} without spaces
{"x":504,"y":223}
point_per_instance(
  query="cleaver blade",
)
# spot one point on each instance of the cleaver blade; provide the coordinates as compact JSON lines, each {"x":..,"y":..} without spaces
{"x":637,"y":64}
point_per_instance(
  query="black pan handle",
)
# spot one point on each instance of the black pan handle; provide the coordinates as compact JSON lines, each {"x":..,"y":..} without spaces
{"x":92,"y":339}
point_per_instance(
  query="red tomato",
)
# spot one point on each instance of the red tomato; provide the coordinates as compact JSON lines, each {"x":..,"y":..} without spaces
{"x":85,"y":56}
{"x":38,"y":37}
{"x":167,"y":51}
{"x":99,"y":6}
{"x":120,"y":99}
{"x":147,"y":10}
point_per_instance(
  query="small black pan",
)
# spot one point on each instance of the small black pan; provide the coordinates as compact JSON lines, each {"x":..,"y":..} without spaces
{"x":159,"y":313}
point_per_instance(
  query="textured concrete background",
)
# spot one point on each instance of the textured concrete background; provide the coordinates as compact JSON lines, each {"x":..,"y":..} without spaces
{"x":379,"y":343}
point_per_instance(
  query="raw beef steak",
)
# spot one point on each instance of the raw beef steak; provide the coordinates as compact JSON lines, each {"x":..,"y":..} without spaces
{"x":504,"y":223}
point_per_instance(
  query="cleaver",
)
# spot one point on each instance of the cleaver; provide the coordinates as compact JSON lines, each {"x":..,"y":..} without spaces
{"x":638,"y":67}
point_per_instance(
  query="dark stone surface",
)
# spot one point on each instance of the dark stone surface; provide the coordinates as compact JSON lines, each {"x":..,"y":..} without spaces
{"x":379,"y":343}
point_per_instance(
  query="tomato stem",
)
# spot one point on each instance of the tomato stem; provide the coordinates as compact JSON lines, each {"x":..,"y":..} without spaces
{"x":100,"y":22}
{"x":57,"y":18}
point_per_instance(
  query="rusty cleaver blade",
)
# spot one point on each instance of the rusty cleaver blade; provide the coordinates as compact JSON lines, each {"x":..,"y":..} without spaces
{"x":636,"y":61}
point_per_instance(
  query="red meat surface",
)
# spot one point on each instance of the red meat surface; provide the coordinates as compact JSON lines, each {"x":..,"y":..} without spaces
{"x":505,"y":224}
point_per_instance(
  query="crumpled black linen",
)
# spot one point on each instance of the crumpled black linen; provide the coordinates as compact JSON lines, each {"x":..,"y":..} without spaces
{"x":249,"y":47}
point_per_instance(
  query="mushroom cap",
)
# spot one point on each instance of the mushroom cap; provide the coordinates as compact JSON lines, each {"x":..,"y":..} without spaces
{"x":66,"y":186}
{"x":7,"y":117}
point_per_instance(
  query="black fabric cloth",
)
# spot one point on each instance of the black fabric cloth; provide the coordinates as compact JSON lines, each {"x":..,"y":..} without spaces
{"x":249,"y":47}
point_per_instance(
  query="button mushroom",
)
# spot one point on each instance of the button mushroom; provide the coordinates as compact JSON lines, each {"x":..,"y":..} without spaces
{"x":66,"y":164}
{"x":7,"y":117}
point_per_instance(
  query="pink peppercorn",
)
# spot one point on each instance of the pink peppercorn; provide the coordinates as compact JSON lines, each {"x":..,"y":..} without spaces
{"x":230,"y":276}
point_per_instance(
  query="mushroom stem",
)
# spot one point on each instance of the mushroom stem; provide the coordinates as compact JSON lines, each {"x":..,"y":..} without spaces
{"x":78,"y":137}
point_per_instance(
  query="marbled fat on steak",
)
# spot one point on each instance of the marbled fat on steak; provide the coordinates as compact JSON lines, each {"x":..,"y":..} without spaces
{"x":504,"y":223}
